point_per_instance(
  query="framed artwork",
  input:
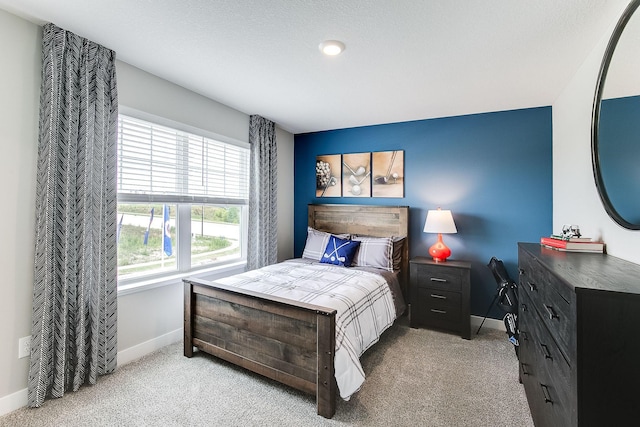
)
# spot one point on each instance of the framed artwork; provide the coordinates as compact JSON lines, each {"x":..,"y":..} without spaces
{"x":356,"y":175}
{"x":388,"y":173}
{"x":328,"y":176}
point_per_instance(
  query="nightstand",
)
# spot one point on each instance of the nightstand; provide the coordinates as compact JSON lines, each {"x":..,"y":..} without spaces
{"x":440,"y":295}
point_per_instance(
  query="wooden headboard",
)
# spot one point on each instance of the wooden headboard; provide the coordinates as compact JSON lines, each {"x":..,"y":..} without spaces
{"x":367,"y":220}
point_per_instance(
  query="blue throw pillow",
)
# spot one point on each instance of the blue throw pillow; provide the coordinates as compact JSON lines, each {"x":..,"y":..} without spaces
{"x":339,"y":251}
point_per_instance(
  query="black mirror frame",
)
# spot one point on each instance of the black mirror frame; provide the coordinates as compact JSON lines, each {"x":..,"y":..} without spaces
{"x":595,"y":117}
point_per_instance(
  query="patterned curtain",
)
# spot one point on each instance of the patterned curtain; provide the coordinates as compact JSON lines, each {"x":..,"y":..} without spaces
{"x":263,"y":215}
{"x":74,"y":298}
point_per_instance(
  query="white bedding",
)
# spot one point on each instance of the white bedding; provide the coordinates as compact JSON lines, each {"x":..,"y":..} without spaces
{"x":362,"y":298}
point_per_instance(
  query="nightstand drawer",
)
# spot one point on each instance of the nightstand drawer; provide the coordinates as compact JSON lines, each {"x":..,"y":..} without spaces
{"x":439,"y":303}
{"x":439,"y":306}
{"x":445,"y":278}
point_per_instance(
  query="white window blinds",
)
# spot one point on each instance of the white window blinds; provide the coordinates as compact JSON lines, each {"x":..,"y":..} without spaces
{"x":160,"y":164}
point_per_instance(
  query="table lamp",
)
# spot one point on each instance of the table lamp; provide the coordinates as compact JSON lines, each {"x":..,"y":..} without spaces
{"x":439,"y":221}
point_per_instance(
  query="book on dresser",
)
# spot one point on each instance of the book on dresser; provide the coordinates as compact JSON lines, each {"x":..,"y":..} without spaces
{"x":571,"y":239}
{"x":572,"y":246}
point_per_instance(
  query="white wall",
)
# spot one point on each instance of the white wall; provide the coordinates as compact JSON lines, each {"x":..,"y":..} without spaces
{"x":147,"y":319}
{"x":145,"y":92}
{"x":575,"y":197}
{"x":19,"y":92}
{"x":285,"y":194}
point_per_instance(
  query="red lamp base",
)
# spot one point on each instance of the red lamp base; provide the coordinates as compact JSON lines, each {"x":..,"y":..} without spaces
{"x":439,"y":251}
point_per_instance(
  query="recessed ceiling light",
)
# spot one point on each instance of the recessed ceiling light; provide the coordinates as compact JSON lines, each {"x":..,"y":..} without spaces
{"x":331,"y":47}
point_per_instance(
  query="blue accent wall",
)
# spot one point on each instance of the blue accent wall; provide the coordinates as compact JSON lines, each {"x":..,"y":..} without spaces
{"x":493,"y":171}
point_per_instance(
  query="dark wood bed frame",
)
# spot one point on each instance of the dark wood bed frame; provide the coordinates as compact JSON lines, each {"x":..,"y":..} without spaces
{"x":288,"y":341}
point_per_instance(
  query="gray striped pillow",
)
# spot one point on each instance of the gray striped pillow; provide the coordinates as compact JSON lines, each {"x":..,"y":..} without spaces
{"x":317,"y":242}
{"x":374,"y":252}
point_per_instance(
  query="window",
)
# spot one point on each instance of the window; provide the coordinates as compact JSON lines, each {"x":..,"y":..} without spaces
{"x":182,"y":200}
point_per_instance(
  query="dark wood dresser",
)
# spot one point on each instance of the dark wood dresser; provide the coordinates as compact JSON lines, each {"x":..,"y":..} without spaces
{"x":440,"y":295}
{"x":579,"y":320}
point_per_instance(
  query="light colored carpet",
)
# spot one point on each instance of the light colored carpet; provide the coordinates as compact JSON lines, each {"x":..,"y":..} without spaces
{"x":415,"y":377}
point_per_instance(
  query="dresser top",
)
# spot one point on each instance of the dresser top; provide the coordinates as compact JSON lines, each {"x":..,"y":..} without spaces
{"x":589,"y":271}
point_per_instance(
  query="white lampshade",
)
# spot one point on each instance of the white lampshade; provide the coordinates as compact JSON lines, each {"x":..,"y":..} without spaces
{"x":439,"y":221}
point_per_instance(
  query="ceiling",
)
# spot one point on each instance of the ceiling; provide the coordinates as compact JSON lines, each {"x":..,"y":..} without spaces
{"x":404,"y":59}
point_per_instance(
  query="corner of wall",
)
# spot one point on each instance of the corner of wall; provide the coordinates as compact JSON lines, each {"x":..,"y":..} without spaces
{"x":575,"y":196}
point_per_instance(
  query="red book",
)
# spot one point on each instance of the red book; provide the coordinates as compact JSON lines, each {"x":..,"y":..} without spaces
{"x":563,"y":244}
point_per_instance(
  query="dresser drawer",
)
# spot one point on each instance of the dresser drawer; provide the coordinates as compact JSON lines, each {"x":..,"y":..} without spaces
{"x":549,"y":404}
{"x":434,"y":307}
{"x":550,"y":298}
{"x":550,"y":358}
{"x":445,"y":278}
{"x":559,"y":317}
{"x":526,"y":352}
{"x":438,"y":318}
{"x":538,"y":404}
{"x":559,"y":325}
{"x":547,"y":374}
{"x":531,"y":380}
{"x":530,"y":280}
{"x":439,"y":304}
{"x":535,"y":278}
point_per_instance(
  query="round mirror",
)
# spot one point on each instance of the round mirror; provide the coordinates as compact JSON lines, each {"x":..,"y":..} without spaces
{"x":615,"y":125}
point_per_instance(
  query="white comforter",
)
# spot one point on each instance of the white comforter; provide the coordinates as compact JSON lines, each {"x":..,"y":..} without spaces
{"x":362,"y":299}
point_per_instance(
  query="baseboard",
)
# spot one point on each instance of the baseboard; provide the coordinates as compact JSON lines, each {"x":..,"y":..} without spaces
{"x":488,"y":323}
{"x":137,"y":351}
{"x":18,"y":399}
{"x":13,"y":401}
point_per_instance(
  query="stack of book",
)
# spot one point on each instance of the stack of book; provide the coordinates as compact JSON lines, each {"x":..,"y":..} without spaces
{"x":572,"y":244}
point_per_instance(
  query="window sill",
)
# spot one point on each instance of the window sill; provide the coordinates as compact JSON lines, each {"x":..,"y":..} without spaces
{"x":167,"y":280}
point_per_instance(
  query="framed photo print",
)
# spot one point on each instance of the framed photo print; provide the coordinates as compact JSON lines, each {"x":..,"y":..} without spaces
{"x":328,"y":176}
{"x":388,"y":173}
{"x":356,"y":175}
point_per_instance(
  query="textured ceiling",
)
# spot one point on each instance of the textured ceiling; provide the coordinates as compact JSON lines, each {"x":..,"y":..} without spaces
{"x":405,"y":59}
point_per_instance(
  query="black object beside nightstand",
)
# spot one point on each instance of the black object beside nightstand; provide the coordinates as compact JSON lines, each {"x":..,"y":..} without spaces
{"x":440,"y":295}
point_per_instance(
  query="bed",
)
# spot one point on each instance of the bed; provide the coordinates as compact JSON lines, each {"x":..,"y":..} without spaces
{"x":289,"y":341}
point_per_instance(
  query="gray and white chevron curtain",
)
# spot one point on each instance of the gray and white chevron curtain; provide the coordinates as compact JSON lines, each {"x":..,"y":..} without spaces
{"x":74,"y":297}
{"x":263,"y":216}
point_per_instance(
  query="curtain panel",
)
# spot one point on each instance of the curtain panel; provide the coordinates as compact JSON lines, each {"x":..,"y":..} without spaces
{"x":263,"y":213}
{"x":75,"y":291}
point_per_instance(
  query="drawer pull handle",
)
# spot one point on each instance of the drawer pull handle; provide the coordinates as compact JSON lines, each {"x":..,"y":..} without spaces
{"x":437,"y":279}
{"x":545,"y":350}
{"x":524,"y":369}
{"x":438,"y":296}
{"x":545,"y":393}
{"x":551,"y":312}
{"x":435,"y":310}
{"x":532,"y":286}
